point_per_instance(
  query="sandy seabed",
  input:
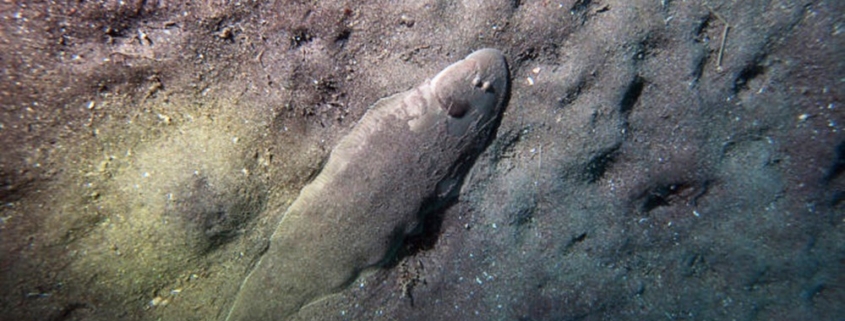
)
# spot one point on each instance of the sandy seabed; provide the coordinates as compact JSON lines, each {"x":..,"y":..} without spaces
{"x":676,"y":160}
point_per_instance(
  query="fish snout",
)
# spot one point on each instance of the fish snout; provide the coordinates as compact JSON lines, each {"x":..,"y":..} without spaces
{"x":472,"y":90}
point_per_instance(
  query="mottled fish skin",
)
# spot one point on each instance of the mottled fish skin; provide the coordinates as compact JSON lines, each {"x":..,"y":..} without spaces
{"x":405,"y":157}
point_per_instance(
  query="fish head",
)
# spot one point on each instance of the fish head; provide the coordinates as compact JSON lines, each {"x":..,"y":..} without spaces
{"x":472,"y":91}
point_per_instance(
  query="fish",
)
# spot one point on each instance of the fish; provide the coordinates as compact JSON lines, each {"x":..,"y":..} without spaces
{"x":406,"y":158}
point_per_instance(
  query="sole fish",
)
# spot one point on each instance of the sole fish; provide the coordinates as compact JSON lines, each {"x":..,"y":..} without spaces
{"x":406,"y":157}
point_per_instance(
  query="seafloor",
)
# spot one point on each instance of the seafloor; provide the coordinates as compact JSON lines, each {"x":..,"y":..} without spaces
{"x":657,"y":160}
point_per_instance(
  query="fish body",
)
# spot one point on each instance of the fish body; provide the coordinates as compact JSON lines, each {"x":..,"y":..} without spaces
{"x":406,"y":157}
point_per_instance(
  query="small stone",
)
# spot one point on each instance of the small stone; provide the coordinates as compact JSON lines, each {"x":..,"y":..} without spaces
{"x":406,"y":21}
{"x":158,"y":301}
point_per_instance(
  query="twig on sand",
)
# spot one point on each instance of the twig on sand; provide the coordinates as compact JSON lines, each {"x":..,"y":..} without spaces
{"x":724,"y":39}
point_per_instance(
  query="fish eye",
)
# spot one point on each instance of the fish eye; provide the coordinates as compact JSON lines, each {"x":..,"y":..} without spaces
{"x":456,"y":106}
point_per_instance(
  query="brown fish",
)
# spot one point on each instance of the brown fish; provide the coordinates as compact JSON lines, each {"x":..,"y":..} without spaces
{"x":406,"y":157}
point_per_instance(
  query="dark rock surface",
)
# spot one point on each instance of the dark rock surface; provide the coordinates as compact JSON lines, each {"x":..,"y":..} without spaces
{"x":649,"y":165}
